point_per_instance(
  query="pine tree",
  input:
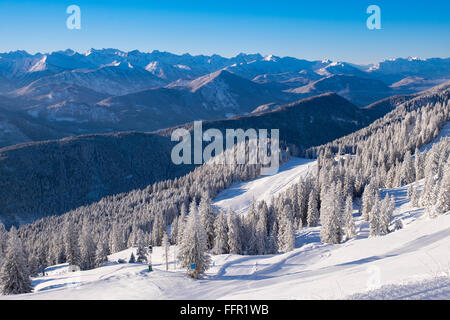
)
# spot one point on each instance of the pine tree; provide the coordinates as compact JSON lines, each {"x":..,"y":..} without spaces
{"x":415,"y":197}
{"x":234,"y":233}
{"x":42,"y":257}
{"x":418,"y":166}
{"x":88,"y":248}
{"x":61,"y":250}
{"x":368,"y":200}
{"x":313,"y":211}
{"x":14,"y":275}
{"x":117,"y":239}
{"x":349,"y":224}
{"x":429,"y":196}
{"x":159,"y":229}
{"x":330,"y":218}
{"x":410,"y":191}
{"x":141,"y":252}
{"x":166,"y":248}
{"x":286,"y":235}
{"x":132,"y":258}
{"x":3,"y":240}
{"x":261,"y":235}
{"x":386,"y":209}
{"x":250,"y":229}
{"x":374,"y":218}
{"x":181,"y":223}
{"x":272,"y":246}
{"x":72,"y":248}
{"x":221,"y":236}
{"x":101,"y":254}
{"x":174,"y":231}
{"x":207,"y":218}
{"x":193,"y":249}
{"x":443,"y":199}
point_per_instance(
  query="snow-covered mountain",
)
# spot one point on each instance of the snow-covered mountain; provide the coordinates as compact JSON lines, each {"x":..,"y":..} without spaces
{"x":366,"y":214}
{"x":361,"y":91}
{"x":159,"y":89}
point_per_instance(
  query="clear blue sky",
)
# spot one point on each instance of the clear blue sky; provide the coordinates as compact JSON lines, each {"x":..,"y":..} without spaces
{"x":305,"y":29}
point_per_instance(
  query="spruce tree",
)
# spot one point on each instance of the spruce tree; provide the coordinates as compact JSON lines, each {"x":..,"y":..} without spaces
{"x":234,"y":233}
{"x":193,"y":249}
{"x":141,"y":252}
{"x":349,"y":224}
{"x":207,"y":218}
{"x":330,"y":217}
{"x":101,"y":254}
{"x":313,"y":211}
{"x":88,"y":248}
{"x":272,"y":246}
{"x":221,"y":235}
{"x":250,"y":229}
{"x":442,"y":204}
{"x":374,"y":217}
{"x":166,"y":247}
{"x":286,"y":235}
{"x":117,"y":239}
{"x":3,"y":239}
{"x":415,"y":197}
{"x":72,"y":248}
{"x":14,"y":275}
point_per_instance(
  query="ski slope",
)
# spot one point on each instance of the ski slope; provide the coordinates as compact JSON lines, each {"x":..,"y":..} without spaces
{"x":240,"y":195}
{"x":403,"y":262}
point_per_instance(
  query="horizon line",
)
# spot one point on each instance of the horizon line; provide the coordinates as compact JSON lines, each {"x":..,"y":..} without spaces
{"x":85,"y":53}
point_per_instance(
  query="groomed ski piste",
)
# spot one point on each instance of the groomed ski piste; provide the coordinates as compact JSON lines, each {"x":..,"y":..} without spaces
{"x":413,"y":262}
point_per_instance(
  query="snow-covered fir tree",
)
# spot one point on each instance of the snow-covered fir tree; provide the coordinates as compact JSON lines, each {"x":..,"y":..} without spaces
{"x":166,"y":248}
{"x":349,"y":224}
{"x":207,"y":217}
{"x":192,"y":254}
{"x":220,"y":235}
{"x":102,"y":251}
{"x":14,"y":274}
{"x":375,"y":217}
{"x":250,"y":229}
{"x":141,"y":252}
{"x":181,"y":223}
{"x":286,"y":235}
{"x":313,"y":211}
{"x":132,"y":258}
{"x":117,"y":241}
{"x":331,"y":216}
{"x":72,"y":247}
{"x":87,"y":248}
{"x":234,"y":233}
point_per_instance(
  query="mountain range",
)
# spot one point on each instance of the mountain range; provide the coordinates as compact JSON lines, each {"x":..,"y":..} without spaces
{"x":66,"y":93}
{"x":52,"y":177}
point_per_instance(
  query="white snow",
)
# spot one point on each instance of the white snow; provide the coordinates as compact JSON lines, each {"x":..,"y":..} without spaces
{"x":239,"y":196}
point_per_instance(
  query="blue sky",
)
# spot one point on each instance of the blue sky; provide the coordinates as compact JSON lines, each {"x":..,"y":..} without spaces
{"x":304,"y":29}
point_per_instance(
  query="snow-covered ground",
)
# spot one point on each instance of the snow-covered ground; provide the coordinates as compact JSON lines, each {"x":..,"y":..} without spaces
{"x":413,"y":262}
{"x":239,"y":196}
